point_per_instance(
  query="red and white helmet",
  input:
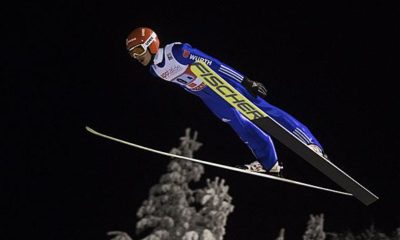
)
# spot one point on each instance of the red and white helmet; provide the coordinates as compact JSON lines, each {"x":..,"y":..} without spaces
{"x":141,"y":39}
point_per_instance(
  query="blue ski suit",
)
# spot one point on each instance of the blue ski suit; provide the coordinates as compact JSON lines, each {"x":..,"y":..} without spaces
{"x":172,"y":62}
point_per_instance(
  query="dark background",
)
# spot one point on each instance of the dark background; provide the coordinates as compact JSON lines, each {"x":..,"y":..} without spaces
{"x":64,"y":66}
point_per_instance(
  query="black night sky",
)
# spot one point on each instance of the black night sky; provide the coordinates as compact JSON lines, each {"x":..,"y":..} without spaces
{"x":64,"y":66}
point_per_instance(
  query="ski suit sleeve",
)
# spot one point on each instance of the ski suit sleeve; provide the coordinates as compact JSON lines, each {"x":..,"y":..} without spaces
{"x":186,"y":54}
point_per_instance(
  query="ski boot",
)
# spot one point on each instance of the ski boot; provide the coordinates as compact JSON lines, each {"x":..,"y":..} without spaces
{"x":317,"y":150}
{"x":256,"y":166}
{"x":253,"y":167}
{"x":276,"y":170}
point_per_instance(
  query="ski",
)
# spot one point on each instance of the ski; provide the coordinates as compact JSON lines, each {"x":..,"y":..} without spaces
{"x":214,"y":164}
{"x":276,"y":130}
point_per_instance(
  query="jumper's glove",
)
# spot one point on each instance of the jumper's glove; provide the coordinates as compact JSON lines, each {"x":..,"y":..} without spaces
{"x":254,"y":88}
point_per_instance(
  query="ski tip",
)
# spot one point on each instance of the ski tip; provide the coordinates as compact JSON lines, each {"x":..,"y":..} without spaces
{"x":89,"y":129}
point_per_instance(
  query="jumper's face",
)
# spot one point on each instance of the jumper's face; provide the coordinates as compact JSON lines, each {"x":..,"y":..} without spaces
{"x":141,"y":54}
{"x":144,"y":59}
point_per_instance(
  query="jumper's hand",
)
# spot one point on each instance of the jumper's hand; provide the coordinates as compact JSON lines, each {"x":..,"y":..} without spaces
{"x":255,"y":88}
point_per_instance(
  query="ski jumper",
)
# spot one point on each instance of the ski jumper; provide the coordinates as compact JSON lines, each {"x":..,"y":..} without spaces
{"x":172,"y":62}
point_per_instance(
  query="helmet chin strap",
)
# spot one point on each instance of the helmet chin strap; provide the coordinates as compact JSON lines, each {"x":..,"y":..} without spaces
{"x":152,"y":57}
{"x":156,"y":58}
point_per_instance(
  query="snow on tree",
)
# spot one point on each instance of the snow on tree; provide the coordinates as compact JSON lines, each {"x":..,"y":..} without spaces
{"x":281,"y":234}
{"x":396,"y":234}
{"x":348,"y":236}
{"x":216,"y":205}
{"x":175,"y":211}
{"x":369,"y":234}
{"x":119,"y":235}
{"x":373,"y":234}
{"x":315,"y":228}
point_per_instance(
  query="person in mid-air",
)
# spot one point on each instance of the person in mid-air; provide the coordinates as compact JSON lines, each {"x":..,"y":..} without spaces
{"x":172,"y":62}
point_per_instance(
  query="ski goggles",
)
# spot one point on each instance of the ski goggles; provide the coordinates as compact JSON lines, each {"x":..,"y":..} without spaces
{"x":140,"y":49}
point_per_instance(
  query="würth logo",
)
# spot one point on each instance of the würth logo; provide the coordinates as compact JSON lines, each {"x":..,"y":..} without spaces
{"x":197,"y":58}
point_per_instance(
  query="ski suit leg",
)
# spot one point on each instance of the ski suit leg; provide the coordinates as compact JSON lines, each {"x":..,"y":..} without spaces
{"x":258,"y":141}
{"x":288,"y":121}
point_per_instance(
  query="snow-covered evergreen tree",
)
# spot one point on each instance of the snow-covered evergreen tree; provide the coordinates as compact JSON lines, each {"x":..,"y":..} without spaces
{"x":119,"y":235}
{"x":281,"y":234}
{"x":315,"y":228}
{"x":340,"y":236}
{"x":175,"y":211}
{"x":216,"y":205}
{"x":348,"y":236}
{"x":369,"y":234}
{"x":396,"y":234}
{"x":373,"y":234}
